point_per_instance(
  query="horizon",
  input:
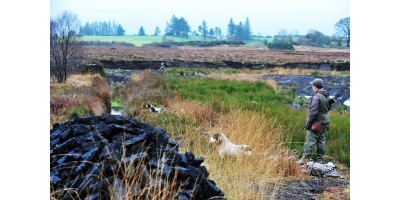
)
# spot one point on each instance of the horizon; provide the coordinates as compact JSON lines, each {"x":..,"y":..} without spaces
{"x":300,"y":17}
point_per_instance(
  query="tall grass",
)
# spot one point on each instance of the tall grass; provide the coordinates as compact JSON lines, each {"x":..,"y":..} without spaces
{"x":224,"y":95}
{"x":237,"y":177}
{"x":249,"y":113}
{"x":276,"y":70}
{"x":81,"y":95}
{"x":143,"y":88}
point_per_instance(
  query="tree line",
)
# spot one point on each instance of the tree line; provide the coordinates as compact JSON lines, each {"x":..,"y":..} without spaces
{"x":283,"y":40}
{"x":240,"y":32}
{"x":104,"y":28}
{"x":66,"y":52}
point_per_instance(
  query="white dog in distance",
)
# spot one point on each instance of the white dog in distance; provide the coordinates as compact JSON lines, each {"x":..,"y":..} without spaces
{"x":154,"y":109}
{"x":226,"y":147}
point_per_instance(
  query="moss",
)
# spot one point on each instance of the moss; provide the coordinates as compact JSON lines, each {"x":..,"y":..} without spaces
{"x":77,"y":111}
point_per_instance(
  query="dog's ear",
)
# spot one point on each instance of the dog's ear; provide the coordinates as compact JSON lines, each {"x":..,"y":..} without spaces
{"x":218,"y":137}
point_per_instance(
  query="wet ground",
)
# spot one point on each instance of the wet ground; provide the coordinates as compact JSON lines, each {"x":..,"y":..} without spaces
{"x":313,"y":188}
{"x":339,"y":87}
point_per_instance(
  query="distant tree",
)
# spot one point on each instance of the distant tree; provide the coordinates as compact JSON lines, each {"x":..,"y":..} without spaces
{"x":141,"y":31}
{"x":86,"y":30}
{"x":157,"y":31}
{"x":177,"y":27}
{"x":282,"y":32}
{"x":247,"y":29}
{"x":218,"y":32}
{"x":203,"y":29}
{"x":212,"y":32}
{"x":279,"y":44}
{"x":294,"y":32}
{"x":343,"y":29}
{"x":120,"y":31}
{"x":318,"y":38}
{"x":65,"y":45}
{"x":239,"y":33}
{"x":231,"y":28}
{"x":102,"y":28}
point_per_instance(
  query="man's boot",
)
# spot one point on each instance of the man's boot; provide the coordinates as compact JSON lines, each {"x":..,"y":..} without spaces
{"x":303,"y":159}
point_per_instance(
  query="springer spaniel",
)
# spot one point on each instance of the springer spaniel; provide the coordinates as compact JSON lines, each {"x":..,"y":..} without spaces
{"x":154,"y":109}
{"x":226,"y":147}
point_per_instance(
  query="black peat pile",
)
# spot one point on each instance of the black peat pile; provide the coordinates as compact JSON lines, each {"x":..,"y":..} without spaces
{"x":117,"y":157}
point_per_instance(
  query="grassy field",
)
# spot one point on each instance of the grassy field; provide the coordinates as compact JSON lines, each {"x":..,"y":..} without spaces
{"x":140,"y":40}
{"x":251,"y":113}
{"x":247,"y":112}
{"x":225,"y":95}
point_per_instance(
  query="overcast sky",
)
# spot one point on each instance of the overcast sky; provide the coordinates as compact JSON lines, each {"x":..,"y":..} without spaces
{"x":266,"y":17}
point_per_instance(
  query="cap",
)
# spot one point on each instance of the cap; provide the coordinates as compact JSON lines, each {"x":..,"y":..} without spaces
{"x":318,"y":83}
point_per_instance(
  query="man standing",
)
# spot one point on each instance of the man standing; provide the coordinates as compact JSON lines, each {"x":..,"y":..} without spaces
{"x":318,"y":114}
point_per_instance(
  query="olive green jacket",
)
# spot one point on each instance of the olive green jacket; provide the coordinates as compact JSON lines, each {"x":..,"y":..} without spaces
{"x":318,"y":108}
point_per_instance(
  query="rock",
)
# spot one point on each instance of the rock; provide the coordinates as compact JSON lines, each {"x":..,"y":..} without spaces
{"x":295,"y":105}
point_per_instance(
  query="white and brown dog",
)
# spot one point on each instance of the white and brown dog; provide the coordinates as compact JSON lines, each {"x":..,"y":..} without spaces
{"x":226,"y":147}
{"x":154,"y":109}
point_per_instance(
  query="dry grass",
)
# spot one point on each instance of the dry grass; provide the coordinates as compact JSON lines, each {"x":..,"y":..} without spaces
{"x":133,"y":180}
{"x":256,"y":75}
{"x":139,"y":182}
{"x":202,"y":115}
{"x":273,"y":84}
{"x":143,"y":88}
{"x":90,"y":90}
{"x":238,"y":177}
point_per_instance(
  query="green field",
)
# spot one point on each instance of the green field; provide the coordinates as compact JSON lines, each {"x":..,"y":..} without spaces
{"x":141,"y":40}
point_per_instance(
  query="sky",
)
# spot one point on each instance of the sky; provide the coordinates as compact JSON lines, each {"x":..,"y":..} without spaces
{"x":266,"y":17}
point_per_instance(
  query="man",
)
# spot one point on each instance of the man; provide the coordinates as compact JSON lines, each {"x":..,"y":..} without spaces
{"x":318,"y":112}
{"x":162,"y":68}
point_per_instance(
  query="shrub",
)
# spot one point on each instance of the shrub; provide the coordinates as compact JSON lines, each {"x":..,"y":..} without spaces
{"x":280,"y":45}
{"x":80,"y":95}
{"x":142,"y":88}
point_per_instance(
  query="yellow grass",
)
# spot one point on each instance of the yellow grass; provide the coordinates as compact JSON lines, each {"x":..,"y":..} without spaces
{"x":202,"y":115}
{"x":142,"y":88}
{"x":273,"y":84}
{"x":238,"y":177}
{"x":256,"y":75}
{"x":91,"y":88}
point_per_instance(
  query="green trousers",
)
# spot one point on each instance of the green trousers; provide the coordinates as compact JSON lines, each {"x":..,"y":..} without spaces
{"x":313,"y":139}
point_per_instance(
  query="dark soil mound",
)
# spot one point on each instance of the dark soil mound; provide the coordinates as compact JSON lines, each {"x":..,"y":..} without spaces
{"x":116,"y":157}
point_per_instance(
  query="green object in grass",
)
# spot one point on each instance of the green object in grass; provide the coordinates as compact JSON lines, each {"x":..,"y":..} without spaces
{"x":116,"y":103}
